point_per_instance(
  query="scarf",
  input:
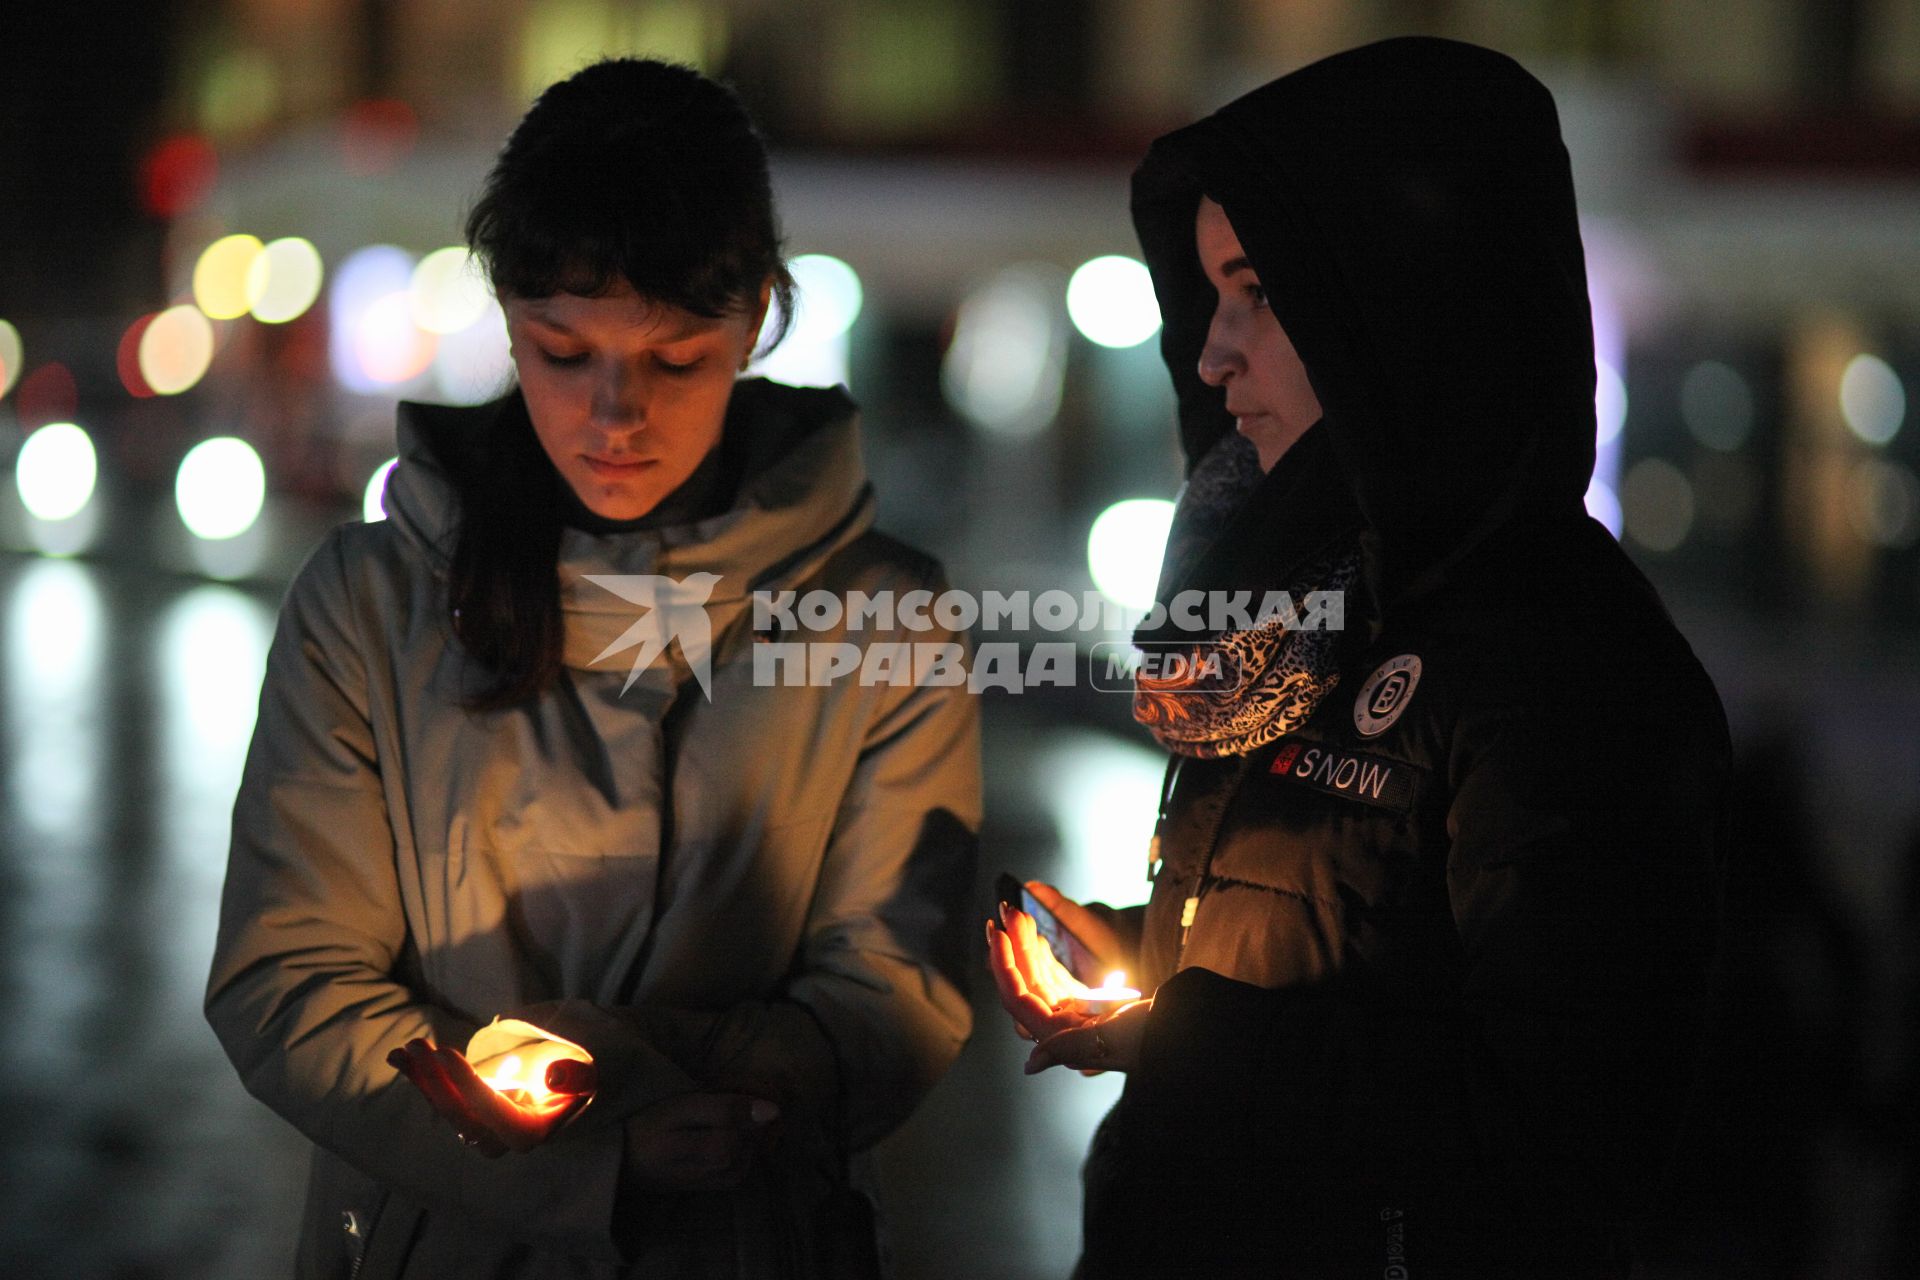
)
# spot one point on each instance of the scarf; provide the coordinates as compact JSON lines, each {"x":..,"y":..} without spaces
{"x":1234,"y":691}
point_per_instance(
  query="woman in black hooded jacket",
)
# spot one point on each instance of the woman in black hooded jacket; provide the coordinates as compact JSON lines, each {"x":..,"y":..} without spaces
{"x":1436,"y":893}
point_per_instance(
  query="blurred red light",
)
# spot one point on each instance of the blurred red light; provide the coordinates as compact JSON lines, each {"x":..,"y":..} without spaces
{"x":48,"y":394}
{"x":128,"y":358}
{"x":176,"y":175}
{"x":376,"y":135}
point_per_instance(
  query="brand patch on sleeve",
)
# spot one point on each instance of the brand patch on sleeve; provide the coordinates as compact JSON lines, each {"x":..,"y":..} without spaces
{"x":1372,"y":780}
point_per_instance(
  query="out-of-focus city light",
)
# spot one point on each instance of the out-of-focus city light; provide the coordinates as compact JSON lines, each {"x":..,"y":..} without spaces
{"x":1609,"y":402}
{"x":389,"y":346}
{"x":1004,"y":368}
{"x":223,"y":275}
{"x":1656,"y":500}
{"x":473,"y":365}
{"x":48,"y":394}
{"x":1886,"y":503}
{"x":449,"y":291}
{"x":373,"y":504}
{"x":240,"y":92}
{"x":12,"y":356}
{"x":126,"y":358}
{"x":1872,"y":399}
{"x":55,"y":647}
{"x":1603,"y":505}
{"x":55,"y":471}
{"x":220,"y":488}
{"x":362,"y":280}
{"x":1717,"y":406}
{"x":1124,"y":549}
{"x":176,"y":349}
{"x":284,"y":280}
{"x":376,"y":135}
{"x":1111,"y":301}
{"x":828,"y":300}
{"x":176,"y":174}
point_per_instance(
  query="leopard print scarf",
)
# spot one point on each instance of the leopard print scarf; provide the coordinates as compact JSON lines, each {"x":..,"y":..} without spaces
{"x":1236,"y":692}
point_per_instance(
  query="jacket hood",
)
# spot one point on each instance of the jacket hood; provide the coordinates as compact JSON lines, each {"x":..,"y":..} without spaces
{"x":803,"y":494}
{"x":1409,"y":209}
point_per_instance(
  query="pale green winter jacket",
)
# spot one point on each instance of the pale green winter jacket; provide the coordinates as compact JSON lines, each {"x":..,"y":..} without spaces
{"x":761,"y":892}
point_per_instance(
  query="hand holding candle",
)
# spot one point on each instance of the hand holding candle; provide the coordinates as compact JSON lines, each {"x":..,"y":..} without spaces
{"x":1070,"y":1019}
{"x":523,"y":1095}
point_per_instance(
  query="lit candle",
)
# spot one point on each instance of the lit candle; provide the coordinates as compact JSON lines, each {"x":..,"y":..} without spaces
{"x":1107,"y":997}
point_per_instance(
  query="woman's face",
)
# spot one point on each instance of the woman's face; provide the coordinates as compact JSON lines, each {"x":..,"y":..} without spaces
{"x":1247,"y":352}
{"x":627,"y":395}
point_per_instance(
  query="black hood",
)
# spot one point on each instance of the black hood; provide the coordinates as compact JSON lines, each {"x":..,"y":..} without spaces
{"x":1409,"y":209}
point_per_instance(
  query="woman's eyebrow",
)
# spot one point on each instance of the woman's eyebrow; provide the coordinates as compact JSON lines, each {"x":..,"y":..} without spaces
{"x":1232,"y":265}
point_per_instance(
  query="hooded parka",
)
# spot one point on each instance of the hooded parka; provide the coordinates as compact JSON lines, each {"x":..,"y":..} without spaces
{"x":1430,"y":968}
{"x":753,"y":889}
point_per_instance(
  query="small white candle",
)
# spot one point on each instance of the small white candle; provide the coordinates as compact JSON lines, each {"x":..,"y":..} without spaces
{"x":1107,"y":997}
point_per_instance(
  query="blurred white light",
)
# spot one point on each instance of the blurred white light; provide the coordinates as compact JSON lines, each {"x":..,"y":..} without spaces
{"x":1717,"y":405}
{"x":12,"y":356}
{"x":1004,"y":369}
{"x":1657,"y":502}
{"x":284,"y":280}
{"x":373,"y":504}
{"x":1609,"y":402}
{"x":55,"y":471}
{"x":363,"y":278}
{"x":449,"y":291}
{"x":220,"y":488}
{"x":830,"y":296}
{"x":1886,"y":503}
{"x":56,"y":629}
{"x":814,"y":352}
{"x":1111,"y":301}
{"x":1603,"y":506}
{"x":176,"y":350}
{"x":224,"y":275}
{"x":389,"y":346}
{"x":474,"y":365}
{"x":1872,"y":399}
{"x":1124,"y":549}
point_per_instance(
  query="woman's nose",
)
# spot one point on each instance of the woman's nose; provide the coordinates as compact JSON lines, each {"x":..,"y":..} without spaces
{"x":1220,"y":358}
{"x":619,"y":398}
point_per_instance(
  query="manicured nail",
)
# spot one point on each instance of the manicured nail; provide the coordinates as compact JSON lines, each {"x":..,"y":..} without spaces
{"x":399,"y":1061}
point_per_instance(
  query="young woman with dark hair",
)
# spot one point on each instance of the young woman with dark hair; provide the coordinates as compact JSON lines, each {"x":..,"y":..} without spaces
{"x":515,"y":756}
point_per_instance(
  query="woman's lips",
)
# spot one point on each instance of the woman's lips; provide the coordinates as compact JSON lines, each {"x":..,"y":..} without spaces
{"x":616,"y":470}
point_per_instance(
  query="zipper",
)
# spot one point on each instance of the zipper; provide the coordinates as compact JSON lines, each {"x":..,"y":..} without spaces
{"x":356,"y":1242}
{"x":1191,"y":907}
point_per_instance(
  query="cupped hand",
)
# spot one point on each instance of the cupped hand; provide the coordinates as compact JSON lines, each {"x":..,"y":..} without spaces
{"x":1110,"y":1043}
{"x":1035,"y":988}
{"x":484,"y":1119}
{"x":698,"y":1141}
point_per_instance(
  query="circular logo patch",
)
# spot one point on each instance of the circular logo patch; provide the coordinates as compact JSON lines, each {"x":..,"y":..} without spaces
{"x":1386,"y":694}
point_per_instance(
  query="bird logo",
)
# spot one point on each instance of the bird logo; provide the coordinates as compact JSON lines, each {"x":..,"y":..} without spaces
{"x":672,"y":610}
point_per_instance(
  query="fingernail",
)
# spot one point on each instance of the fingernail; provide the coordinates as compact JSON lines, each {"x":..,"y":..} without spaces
{"x":763,"y":1112}
{"x":399,"y":1061}
{"x":570,"y":1076}
{"x":1003,"y":915}
{"x":1036,"y":1063}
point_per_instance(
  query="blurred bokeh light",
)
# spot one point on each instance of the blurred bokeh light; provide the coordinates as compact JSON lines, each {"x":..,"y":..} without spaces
{"x":55,"y":471}
{"x":220,"y":488}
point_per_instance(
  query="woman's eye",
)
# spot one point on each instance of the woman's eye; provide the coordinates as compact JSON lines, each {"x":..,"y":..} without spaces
{"x":564,"y":361}
{"x":1257,"y":295}
{"x":668,"y":366}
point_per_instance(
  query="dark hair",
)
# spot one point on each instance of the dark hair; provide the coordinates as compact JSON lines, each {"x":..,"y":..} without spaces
{"x":629,"y":170}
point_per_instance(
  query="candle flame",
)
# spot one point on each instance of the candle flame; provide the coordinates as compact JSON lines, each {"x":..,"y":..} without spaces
{"x":1115,"y":980}
{"x":511,"y":1073}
